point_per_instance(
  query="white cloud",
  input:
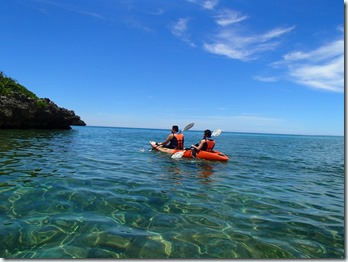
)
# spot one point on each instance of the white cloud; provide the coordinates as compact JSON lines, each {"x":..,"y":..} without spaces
{"x":267,"y":79}
{"x":157,"y":12}
{"x":328,"y":76}
{"x":245,"y":122}
{"x":206,"y":4}
{"x":256,"y":118}
{"x":245,"y":117}
{"x":91,"y":14}
{"x":71,"y":8}
{"x":227,"y":17}
{"x":327,"y":51}
{"x":210,"y":4}
{"x":228,"y":41}
{"x":322,"y":68}
{"x":277,"y":32}
{"x":179,"y":29}
{"x":235,"y":45}
{"x":226,"y":49}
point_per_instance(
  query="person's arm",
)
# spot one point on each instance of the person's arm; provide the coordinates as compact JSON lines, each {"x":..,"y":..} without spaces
{"x":199,"y":147}
{"x":167,"y":140}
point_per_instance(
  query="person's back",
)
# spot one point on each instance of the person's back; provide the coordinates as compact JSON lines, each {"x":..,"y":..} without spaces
{"x":175,"y":139}
{"x":208,"y":145}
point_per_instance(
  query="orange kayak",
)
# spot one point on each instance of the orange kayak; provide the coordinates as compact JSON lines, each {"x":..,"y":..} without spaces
{"x":215,"y":155}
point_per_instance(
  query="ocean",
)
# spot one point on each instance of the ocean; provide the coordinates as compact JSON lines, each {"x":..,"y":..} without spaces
{"x":99,"y":192}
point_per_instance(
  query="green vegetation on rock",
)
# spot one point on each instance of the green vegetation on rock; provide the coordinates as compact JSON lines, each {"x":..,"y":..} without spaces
{"x":10,"y":87}
{"x":22,"y":109}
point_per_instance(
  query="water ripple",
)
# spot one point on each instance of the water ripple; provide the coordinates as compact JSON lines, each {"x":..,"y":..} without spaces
{"x":95,"y":193}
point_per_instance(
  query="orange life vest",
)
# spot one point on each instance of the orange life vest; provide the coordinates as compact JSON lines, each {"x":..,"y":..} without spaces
{"x":208,"y":145}
{"x":177,"y":141}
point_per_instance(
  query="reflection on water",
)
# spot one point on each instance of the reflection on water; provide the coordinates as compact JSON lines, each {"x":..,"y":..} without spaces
{"x":87,"y":193}
{"x":206,"y":170}
{"x":185,"y":169}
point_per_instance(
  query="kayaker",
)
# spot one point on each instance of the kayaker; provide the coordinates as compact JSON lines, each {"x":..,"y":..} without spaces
{"x":206,"y":144}
{"x":175,"y":140}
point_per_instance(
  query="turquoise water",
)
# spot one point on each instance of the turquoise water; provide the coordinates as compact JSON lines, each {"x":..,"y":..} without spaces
{"x":94,"y":192}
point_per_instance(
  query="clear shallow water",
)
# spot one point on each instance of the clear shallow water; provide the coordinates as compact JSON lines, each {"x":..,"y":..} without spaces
{"x":96,"y":192}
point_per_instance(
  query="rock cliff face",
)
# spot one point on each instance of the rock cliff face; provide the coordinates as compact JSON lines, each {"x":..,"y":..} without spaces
{"x":20,"y":111}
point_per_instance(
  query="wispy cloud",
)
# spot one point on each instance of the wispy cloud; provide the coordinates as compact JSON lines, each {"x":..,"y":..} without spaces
{"x":206,"y":4}
{"x":236,"y":45}
{"x":180,"y":27}
{"x":87,"y":13}
{"x":227,"y":17}
{"x":267,"y":79}
{"x":71,"y":8}
{"x":210,"y":4}
{"x":156,"y":12}
{"x":246,"y":117}
{"x":180,"y":30}
{"x":245,"y":122}
{"x":327,"y":51}
{"x":231,"y":41}
{"x":256,"y":118}
{"x":321,"y":68}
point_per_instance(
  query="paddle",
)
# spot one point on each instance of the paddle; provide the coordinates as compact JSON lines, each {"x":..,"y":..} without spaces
{"x":189,"y":126}
{"x":178,"y":155}
{"x":217,"y":132}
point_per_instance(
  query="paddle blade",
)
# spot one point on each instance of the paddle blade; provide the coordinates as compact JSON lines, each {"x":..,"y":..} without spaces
{"x":178,"y":155}
{"x":216,"y":132}
{"x":188,"y":126}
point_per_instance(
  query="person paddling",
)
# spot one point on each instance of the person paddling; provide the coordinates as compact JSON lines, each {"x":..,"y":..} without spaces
{"x":175,"y":140}
{"x":206,"y":144}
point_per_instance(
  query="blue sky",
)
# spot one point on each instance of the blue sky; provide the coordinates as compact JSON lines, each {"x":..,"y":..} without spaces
{"x":265,"y":66}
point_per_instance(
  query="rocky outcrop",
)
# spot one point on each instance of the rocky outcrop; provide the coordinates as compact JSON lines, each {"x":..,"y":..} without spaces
{"x":20,"y":111}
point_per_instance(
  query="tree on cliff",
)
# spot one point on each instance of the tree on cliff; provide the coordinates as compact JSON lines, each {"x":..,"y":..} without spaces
{"x":21,"y":108}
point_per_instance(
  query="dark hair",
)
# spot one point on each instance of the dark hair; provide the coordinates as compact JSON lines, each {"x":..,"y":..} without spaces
{"x":175,"y":128}
{"x":207,"y":133}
